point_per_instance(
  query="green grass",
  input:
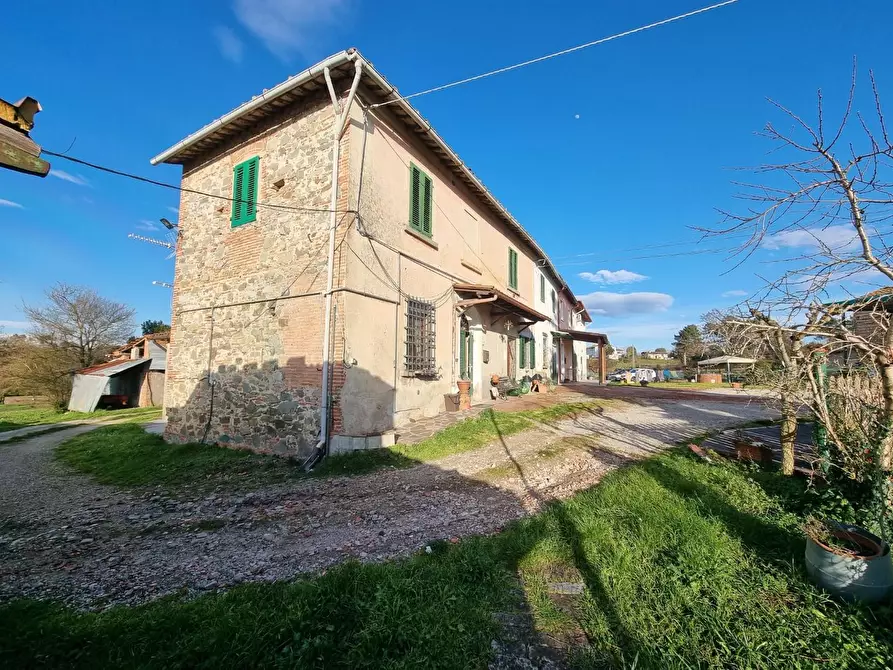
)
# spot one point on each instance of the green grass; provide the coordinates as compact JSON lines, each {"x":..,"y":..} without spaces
{"x":685,"y":565}
{"x":126,"y":455}
{"x":22,"y":416}
{"x":466,"y":435}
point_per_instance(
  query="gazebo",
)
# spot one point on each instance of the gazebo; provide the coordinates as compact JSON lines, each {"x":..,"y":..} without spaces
{"x":728,"y":361}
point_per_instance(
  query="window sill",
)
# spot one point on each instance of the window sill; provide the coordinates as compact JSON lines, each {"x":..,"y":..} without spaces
{"x":472,"y":267}
{"x":422,"y":238}
{"x":513,"y":291}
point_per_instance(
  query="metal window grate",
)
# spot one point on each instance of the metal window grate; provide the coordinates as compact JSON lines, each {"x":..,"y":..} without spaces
{"x":420,"y":338}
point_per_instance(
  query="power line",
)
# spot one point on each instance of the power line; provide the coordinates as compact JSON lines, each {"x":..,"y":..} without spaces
{"x":557,"y":53}
{"x":639,"y":258}
{"x":182,"y":189}
{"x":666,"y":245}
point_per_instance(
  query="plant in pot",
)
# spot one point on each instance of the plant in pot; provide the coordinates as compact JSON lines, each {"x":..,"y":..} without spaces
{"x":847,"y":560}
{"x":464,"y":385}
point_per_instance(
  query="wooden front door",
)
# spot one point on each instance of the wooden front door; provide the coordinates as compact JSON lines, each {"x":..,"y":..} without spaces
{"x":510,"y":363}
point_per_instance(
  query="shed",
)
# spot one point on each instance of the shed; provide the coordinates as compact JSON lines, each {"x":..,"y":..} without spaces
{"x":116,"y":382}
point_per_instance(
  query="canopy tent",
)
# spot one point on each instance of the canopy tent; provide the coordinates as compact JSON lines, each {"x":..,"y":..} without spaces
{"x":728,"y":361}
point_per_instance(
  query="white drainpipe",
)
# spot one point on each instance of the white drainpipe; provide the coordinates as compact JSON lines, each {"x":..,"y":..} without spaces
{"x":341,"y":118}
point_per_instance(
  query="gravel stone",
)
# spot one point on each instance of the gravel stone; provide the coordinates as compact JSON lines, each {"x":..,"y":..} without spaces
{"x":65,"y":537}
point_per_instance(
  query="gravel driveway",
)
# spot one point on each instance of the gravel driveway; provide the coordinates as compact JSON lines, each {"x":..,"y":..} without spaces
{"x":62,"y":536}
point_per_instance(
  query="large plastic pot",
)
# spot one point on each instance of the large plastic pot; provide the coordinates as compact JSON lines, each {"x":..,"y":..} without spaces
{"x":866,"y":578}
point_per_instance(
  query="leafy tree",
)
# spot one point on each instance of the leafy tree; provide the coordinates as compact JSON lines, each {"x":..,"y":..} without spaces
{"x":151,"y":327}
{"x":688,"y":343}
{"x":608,"y":350}
{"x":79,"y":321}
{"x":630,"y":352}
{"x":661,"y":350}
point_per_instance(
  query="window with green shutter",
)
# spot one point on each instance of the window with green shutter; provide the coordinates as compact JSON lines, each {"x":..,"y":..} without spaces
{"x":421,"y":201}
{"x":542,"y":288}
{"x":532,"y":352}
{"x":513,"y":269}
{"x":245,"y":176}
{"x":523,"y":353}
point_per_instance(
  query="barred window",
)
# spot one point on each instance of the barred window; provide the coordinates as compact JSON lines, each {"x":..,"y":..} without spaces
{"x":420,"y":337}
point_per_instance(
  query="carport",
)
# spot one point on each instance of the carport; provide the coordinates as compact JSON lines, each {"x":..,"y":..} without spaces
{"x":728,"y":361}
{"x":117,"y":382}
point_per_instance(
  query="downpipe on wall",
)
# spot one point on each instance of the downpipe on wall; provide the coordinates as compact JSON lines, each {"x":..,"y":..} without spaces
{"x":341,"y":117}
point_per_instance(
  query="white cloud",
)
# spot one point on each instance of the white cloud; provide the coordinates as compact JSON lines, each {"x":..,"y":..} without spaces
{"x":145,"y":224}
{"x":14,"y":326}
{"x":67,"y":176}
{"x":612,"y":277}
{"x":230,"y":46}
{"x":287,"y":26}
{"x":624,"y":304}
{"x":737,"y":293}
{"x":836,"y":237}
{"x":173,"y":209}
{"x":10,"y":203}
{"x":643,"y":335}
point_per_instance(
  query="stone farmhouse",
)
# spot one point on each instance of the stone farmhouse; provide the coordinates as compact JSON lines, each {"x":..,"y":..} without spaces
{"x":340,"y":269}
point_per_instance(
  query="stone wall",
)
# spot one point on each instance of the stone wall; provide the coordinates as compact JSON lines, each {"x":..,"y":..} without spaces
{"x":245,"y":357}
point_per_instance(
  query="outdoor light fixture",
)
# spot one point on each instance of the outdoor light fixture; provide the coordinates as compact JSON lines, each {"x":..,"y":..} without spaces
{"x":167,"y":224}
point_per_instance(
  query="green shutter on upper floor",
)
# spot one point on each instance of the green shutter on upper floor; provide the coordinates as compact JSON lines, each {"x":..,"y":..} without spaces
{"x":513,"y":269}
{"x":421,"y":201}
{"x":245,"y":179}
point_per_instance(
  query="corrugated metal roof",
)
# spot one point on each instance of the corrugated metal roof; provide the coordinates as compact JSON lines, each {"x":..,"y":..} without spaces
{"x":112,"y":367}
{"x":311,"y":80}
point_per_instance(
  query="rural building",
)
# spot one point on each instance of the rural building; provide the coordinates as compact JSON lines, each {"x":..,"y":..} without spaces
{"x":133,"y":378}
{"x":384,"y":290}
{"x":655,"y":355}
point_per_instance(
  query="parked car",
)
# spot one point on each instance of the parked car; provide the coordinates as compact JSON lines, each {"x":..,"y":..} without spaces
{"x":644,"y":375}
{"x":617,"y":376}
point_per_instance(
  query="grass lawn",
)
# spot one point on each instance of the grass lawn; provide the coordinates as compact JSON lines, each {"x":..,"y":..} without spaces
{"x":128,"y":456}
{"x":21,"y":416}
{"x":685,"y":565}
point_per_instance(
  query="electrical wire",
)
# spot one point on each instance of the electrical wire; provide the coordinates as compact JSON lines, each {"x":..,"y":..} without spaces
{"x":563,"y":52}
{"x":182,"y":189}
{"x":443,"y":214}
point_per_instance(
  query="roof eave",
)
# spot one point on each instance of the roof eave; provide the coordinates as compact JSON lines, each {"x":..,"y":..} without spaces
{"x":391,"y":94}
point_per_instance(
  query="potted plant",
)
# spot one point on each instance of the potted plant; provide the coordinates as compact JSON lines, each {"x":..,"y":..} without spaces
{"x":464,"y":385}
{"x":848,"y":561}
{"x":749,"y":449}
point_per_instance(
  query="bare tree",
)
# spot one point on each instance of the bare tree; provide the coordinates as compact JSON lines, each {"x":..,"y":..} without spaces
{"x":79,"y":320}
{"x":31,"y":368}
{"x":834,"y":196}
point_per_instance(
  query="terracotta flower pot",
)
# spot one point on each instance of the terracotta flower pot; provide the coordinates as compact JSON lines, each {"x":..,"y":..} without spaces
{"x":464,"y":393}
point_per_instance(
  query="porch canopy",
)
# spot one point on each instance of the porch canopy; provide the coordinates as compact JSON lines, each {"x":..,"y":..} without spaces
{"x":728,"y":361}
{"x":501,"y":304}
{"x":581,"y":336}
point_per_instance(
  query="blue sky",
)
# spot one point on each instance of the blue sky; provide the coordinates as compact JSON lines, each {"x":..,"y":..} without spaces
{"x":605,"y":152}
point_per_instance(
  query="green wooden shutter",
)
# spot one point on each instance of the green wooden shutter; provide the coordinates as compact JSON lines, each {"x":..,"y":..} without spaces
{"x":463,"y":356}
{"x":245,"y":178}
{"x":513,"y":268}
{"x":532,"y":352}
{"x":250,"y":196}
{"x":238,"y":183}
{"x":542,"y":288}
{"x":427,"y":204}
{"x":415,"y":198}
{"x":523,"y":353}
